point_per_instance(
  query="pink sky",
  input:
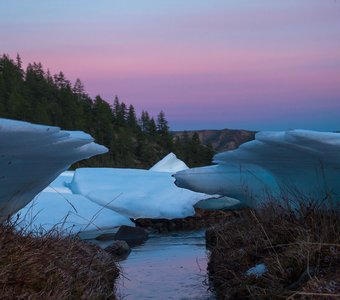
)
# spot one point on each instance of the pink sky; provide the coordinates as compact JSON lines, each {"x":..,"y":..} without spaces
{"x":265,"y":64}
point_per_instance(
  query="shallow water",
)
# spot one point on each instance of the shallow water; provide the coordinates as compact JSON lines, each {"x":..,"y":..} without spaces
{"x":171,"y":266}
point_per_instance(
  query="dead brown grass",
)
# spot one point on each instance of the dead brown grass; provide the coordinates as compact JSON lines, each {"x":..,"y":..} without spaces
{"x":49,"y":266}
{"x":299,"y":248}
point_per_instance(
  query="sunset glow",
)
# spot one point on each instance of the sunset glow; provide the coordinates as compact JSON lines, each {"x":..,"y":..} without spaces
{"x":260,"y":65}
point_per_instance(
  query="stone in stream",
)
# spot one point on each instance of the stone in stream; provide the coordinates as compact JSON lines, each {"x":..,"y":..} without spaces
{"x":106,"y":237}
{"x":132,"y":235}
{"x":119,"y":249}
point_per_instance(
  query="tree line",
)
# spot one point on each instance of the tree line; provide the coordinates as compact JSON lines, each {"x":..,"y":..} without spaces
{"x":37,"y":96}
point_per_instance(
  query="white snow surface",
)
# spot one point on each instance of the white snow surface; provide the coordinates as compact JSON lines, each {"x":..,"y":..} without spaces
{"x":56,"y":207}
{"x":60,"y":184}
{"x":32,"y":156}
{"x":136,"y":193}
{"x":289,"y":161}
{"x":169,"y":163}
{"x":68,"y":214}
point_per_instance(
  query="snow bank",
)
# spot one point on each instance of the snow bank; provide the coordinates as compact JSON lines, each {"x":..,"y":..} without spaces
{"x":295,"y":160}
{"x":69,"y":214}
{"x":169,"y":163}
{"x":57,"y":208}
{"x":135,"y":193}
{"x":31,"y":156}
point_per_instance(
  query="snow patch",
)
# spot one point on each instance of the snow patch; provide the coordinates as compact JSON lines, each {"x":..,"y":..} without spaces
{"x":169,"y":163}
{"x":257,"y":270}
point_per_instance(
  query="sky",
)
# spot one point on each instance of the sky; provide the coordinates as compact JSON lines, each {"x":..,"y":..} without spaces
{"x":212,"y":64}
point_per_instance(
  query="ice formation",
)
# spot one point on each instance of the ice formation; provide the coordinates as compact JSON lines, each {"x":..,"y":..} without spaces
{"x":56,"y":207}
{"x":91,"y":201}
{"x":293,"y":161}
{"x":32,"y":156}
{"x":169,"y":163}
{"x":87,"y":200}
{"x":97,"y":199}
{"x":221,"y":202}
{"x":135,"y":193}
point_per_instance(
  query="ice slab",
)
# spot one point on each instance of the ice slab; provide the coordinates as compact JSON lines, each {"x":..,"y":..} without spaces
{"x":216,"y":203}
{"x":136,"y":193}
{"x":295,"y":161}
{"x":169,"y":163}
{"x":57,"y":208}
{"x":32,"y":156}
{"x":68,"y":214}
{"x":244,"y":183}
{"x":60,"y":184}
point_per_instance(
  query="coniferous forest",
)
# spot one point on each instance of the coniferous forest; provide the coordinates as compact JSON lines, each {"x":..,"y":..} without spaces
{"x":35,"y":95}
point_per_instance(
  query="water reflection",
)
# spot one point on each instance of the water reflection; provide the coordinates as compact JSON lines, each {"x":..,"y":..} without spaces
{"x":171,"y":266}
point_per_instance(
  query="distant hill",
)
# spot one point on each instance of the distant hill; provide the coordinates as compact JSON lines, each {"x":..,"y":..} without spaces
{"x":221,"y":140}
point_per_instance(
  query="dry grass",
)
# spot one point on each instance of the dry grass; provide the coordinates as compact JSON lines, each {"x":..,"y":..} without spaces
{"x":299,"y":248}
{"x":49,"y":266}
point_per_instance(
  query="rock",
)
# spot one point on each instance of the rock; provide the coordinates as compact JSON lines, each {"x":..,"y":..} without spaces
{"x":172,"y":226}
{"x":106,"y":237}
{"x":143,"y":222}
{"x":132,"y":235}
{"x":159,"y":227}
{"x":202,"y":219}
{"x":119,"y":249}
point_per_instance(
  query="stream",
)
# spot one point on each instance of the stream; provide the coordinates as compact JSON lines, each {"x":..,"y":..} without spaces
{"x":166,"y":266}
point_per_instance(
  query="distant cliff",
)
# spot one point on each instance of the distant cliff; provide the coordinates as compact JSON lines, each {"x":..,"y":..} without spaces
{"x":221,"y":140}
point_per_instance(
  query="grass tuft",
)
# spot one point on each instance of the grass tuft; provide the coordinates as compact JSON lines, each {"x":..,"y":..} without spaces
{"x":300,"y":249}
{"x":51,"y":266}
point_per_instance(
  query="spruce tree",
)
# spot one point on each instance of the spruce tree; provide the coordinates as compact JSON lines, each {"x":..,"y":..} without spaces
{"x":165,"y":140}
{"x":162,"y":124}
{"x":144,"y":121}
{"x":131,"y":118}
